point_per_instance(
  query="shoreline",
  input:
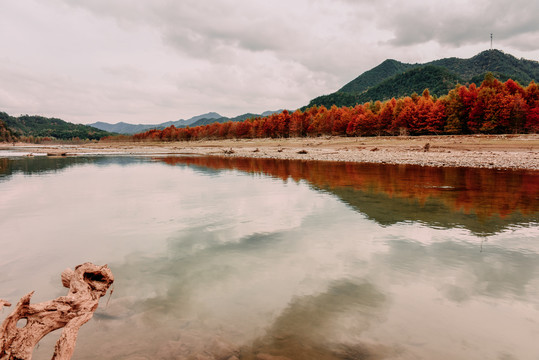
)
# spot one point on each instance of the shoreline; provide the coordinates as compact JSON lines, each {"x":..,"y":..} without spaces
{"x":483,"y":151}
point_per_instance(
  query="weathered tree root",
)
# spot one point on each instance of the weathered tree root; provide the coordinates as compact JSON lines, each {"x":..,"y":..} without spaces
{"x":86,"y":285}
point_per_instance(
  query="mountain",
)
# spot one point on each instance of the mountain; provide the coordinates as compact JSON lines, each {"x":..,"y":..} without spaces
{"x":39,"y":126}
{"x":189,"y":122}
{"x":207,"y":121}
{"x":385,"y":70}
{"x":224,"y":119}
{"x":395,"y":79}
{"x":122,"y":127}
{"x":126,"y":128}
{"x":503,"y":66}
{"x":199,"y":120}
{"x":437,"y":79}
{"x":242,"y":117}
{"x":268,"y":113}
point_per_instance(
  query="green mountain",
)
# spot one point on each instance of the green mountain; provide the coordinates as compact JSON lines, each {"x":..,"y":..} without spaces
{"x":505,"y":66}
{"x":385,"y":70}
{"x":395,"y":79}
{"x":39,"y":126}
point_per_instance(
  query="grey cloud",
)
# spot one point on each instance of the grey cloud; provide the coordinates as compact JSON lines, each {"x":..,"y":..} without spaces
{"x":200,"y":27}
{"x":260,"y":54}
{"x":524,"y":43}
{"x":74,"y":99}
{"x":312,"y":33}
{"x":462,"y":25}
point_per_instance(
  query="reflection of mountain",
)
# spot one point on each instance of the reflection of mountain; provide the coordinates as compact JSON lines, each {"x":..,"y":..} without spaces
{"x":387,"y":210}
{"x":484,"y":201}
{"x":45,"y":164}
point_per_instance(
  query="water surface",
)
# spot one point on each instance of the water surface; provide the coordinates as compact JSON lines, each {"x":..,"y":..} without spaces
{"x":217,"y":256}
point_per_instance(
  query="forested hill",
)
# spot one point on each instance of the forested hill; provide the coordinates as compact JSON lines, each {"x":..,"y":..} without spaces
{"x":384,"y":71}
{"x":395,"y":79}
{"x":27,"y":126}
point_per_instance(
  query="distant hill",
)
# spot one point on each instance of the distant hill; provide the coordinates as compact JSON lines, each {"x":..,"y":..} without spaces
{"x":199,"y":120}
{"x":395,"y":79}
{"x":122,"y":127}
{"x":268,"y":113}
{"x":189,"y":122}
{"x":224,"y":119}
{"x":39,"y":126}
{"x":126,"y":128}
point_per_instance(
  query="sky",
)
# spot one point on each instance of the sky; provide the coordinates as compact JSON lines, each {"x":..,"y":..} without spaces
{"x":152,"y":61}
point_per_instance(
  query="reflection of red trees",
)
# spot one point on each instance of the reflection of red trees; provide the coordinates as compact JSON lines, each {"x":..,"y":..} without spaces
{"x":494,"y":107}
{"x":3,"y":165}
{"x":485,"y":192}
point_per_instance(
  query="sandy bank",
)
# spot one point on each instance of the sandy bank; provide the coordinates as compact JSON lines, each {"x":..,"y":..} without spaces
{"x":499,"y":151}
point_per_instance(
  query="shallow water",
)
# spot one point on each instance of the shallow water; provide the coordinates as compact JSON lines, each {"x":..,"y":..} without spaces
{"x":215,"y":257}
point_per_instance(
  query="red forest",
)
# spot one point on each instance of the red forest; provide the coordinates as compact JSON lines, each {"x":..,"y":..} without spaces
{"x":492,"y":108}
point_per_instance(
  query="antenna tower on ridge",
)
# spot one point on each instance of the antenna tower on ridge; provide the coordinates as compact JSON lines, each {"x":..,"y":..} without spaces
{"x":490,"y":41}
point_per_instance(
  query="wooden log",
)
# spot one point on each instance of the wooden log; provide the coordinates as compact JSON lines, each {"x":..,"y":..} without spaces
{"x":87,"y":284}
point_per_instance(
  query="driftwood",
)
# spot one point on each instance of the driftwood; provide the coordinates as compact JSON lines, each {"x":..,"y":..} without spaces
{"x":87,"y":284}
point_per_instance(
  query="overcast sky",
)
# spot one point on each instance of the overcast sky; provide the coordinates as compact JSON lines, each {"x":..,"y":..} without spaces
{"x":151,"y":61}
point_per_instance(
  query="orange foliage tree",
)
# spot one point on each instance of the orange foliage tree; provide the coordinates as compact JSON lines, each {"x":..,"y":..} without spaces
{"x":492,"y":108}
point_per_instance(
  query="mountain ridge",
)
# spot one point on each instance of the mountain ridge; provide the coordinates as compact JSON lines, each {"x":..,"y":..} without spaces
{"x":199,"y":120}
{"x":393,"y":78}
{"x":127,"y":128}
{"x":42,"y":127}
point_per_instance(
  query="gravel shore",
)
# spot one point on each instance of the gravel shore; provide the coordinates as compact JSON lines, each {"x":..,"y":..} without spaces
{"x":500,"y":151}
{"x":489,"y":159}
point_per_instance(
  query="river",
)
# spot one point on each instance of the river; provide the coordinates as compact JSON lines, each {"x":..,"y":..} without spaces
{"x":220,"y":257}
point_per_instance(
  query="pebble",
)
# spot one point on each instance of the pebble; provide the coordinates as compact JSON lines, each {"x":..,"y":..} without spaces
{"x":455,"y":158}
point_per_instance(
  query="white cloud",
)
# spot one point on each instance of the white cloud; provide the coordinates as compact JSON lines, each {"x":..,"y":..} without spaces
{"x":141,"y":61}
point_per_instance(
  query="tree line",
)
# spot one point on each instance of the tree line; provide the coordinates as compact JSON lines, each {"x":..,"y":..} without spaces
{"x":492,"y":108}
{"x":6,"y":135}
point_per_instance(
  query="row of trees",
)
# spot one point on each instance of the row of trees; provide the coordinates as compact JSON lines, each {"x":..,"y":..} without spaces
{"x":6,"y":135}
{"x":492,"y":108}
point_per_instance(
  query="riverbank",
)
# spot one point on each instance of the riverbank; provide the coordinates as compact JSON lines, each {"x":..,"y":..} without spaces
{"x":486,"y":151}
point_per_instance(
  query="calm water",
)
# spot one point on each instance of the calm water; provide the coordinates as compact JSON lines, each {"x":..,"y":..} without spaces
{"x":214,"y":256}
